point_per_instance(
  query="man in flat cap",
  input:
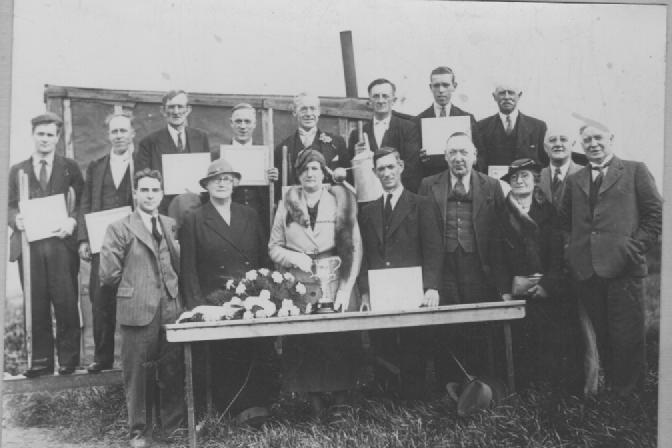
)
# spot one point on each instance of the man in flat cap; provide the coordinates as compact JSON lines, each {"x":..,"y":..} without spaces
{"x":612,"y":213}
{"x":53,"y":261}
{"x":175,"y":138}
{"x":108,"y":186}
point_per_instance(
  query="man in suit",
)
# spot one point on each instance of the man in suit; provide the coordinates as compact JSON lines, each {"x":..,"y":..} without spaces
{"x":243,"y":124}
{"x":140,"y":258}
{"x":401,"y":229}
{"x":509,"y":134}
{"x":175,"y":138}
{"x":54,"y":264}
{"x":442,"y":84}
{"x":612,"y":213}
{"x":558,"y":145}
{"x":387,"y":129}
{"x":470,"y":205}
{"x":108,"y":186}
{"x":306,"y":110}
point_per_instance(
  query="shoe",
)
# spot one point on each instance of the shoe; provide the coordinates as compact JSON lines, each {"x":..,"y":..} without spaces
{"x":66,"y":370}
{"x":97,"y":367}
{"x":138,"y":441}
{"x":41,"y":371}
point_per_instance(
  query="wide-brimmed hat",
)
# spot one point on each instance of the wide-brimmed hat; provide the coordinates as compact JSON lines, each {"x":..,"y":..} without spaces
{"x":520,"y":165}
{"x":219,"y":166}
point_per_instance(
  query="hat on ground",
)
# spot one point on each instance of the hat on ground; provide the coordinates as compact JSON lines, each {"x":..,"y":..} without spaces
{"x":520,"y":165}
{"x":219,"y":166}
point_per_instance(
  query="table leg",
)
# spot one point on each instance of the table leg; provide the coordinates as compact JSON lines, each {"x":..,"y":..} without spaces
{"x":208,"y":379}
{"x":510,"y":374}
{"x":189,"y":390}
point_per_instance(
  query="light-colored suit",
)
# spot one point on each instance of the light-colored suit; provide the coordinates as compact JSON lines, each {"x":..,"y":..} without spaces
{"x":146,"y":275}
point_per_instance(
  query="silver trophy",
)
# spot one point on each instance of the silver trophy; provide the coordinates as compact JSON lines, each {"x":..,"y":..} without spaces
{"x":326,"y":271}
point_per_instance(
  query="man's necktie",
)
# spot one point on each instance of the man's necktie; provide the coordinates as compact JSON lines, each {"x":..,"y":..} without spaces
{"x":595,"y":185}
{"x":443,"y":111}
{"x":387,"y":211}
{"x":44,"y":177}
{"x":155,"y":231}
{"x":458,"y":190}
{"x":180,"y":143}
{"x":556,"y":179}
{"x":509,"y":126}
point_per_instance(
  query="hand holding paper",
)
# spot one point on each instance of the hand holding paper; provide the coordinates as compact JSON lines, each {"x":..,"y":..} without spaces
{"x":19,"y":222}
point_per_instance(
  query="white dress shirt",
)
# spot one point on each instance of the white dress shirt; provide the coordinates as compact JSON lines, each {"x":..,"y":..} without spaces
{"x":307,"y":137}
{"x":514,"y":118}
{"x":174,"y":133}
{"x":466,"y":181}
{"x":237,"y":143}
{"x":147,"y":220}
{"x":437,"y":109}
{"x":563,"y":171}
{"x":37,"y":165}
{"x":396,"y":194}
{"x":379,"y":129}
{"x":595,"y":173}
{"x":118,"y":165}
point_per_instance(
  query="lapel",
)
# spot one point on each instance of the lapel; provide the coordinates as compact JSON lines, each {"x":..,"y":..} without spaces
{"x":310,"y":233}
{"x":390,"y":133}
{"x":478,"y":192}
{"x":522,"y":131}
{"x":377,"y":218}
{"x":225,"y":231}
{"x":33,"y":183}
{"x":545,"y":182}
{"x":191,"y":139}
{"x":429,"y":112}
{"x":401,"y":210}
{"x":138,"y":228}
{"x":368,"y":129}
{"x":99,"y":176}
{"x":573,"y":167}
{"x":583,"y":179}
{"x":166,"y":141}
{"x":59,"y":176}
{"x":168,"y":236}
{"x":440,"y":191}
{"x":614,"y":172}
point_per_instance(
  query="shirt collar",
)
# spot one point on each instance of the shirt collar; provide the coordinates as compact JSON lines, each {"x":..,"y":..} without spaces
{"x":604,"y":162}
{"x":173,"y":133}
{"x":147,"y":218}
{"x":303,"y":132}
{"x":125,"y":157}
{"x":384,"y":122}
{"x":49,"y":158}
{"x":396,"y":194}
{"x":466,"y":181}
{"x":513,"y":115}
{"x":437,"y":109}
{"x":235,"y":142}
{"x":563,"y":169}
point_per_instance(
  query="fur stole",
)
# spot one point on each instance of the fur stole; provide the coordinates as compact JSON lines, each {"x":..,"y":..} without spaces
{"x":346,"y":218}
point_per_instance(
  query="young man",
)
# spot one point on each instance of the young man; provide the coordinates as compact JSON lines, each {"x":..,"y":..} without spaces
{"x":140,"y":258}
{"x":54,"y":264}
{"x":108,"y":186}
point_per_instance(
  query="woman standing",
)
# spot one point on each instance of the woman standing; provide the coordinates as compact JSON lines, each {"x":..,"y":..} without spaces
{"x":317,"y":222}
{"x":547,"y":339}
{"x":222,"y":240}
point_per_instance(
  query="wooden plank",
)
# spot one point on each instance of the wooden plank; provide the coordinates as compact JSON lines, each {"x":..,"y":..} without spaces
{"x":50,"y":383}
{"x":67,"y":129}
{"x":338,"y":322}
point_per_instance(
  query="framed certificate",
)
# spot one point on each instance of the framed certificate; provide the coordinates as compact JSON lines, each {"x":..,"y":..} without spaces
{"x":435,"y":132}
{"x":251,"y":162}
{"x":34,"y":212}
{"x":396,"y":289}
{"x":97,"y":222}
{"x":181,"y":172}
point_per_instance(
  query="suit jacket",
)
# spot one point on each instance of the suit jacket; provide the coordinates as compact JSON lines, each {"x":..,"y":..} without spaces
{"x":628,"y":210}
{"x":153,"y":146}
{"x":65,"y":173}
{"x":530,"y":134}
{"x":412,"y":239}
{"x":437,"y":163}
{"x":488,"y":205}
{"x":129,"y":260}
{"x":92,"y":194}
{"x":402,"y":135}
{"x":331,"y":146}
{"x":214,"y":251}
{"x":546,"y":179}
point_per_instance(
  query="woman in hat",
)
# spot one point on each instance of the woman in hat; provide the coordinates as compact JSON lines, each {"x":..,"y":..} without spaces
{"x":314,"y":224}
{"x":222,"y":240}
{"x":534,"y":254}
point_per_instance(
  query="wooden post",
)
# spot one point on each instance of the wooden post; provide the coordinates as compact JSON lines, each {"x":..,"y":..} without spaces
{"x":24,"y":194}
{"x":267,"y":121}
{"x":349,"y":71}
{"x":285,"y":165}
{"x":189,"y":392}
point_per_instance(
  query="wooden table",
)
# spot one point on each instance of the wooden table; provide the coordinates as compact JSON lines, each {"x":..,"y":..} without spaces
{"x":188,"y":333}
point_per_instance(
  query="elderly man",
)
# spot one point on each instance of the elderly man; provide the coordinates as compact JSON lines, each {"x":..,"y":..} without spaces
{"x":474,"y":271}
{"x":140,"y":259}
{"x":175,"y":138}
{"x":509,"y":134}
{"x":401,"y":229}
{"x":243,"y":124}
{"x":442,"y":84}
{"x":558,"y":144}
{"x":612,"y":213}
{"x":306,"y":110}
{"x":387,"y":129}
{"x":53,"y":261}
{"x":108,"y":186}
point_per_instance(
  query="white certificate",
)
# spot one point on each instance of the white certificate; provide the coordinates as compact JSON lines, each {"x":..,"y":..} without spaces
{"x":43,"y":217}
{"x":435,"y":132}
{"x":97,"y":222}
{"x":396,"y":289}
{"x":181,"y":172}
{"x":251,"y":162}
{"x":497,"y":171}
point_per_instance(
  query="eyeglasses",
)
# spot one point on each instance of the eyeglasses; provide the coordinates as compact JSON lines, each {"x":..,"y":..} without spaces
{"x":222,"y":180}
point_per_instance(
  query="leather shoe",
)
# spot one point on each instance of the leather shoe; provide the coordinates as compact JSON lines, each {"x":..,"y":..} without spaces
{"x":97,"y":367}
{"x":41,"y":371}
{"x":66,"y":370}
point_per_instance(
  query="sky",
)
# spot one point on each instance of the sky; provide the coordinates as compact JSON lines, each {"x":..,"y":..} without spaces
{"x":606,"y":62}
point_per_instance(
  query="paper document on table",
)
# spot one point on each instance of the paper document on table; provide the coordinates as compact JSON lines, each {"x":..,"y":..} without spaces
{"x":252,"y":162}
{"x":97,"y":222}
{"x":435,"y":132}
{"x":396,"y":289}
{"x":42,"y":217}
{"x":181,"y":172}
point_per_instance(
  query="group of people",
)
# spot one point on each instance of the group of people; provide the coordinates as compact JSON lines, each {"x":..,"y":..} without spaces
{"x":571,"y":239}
